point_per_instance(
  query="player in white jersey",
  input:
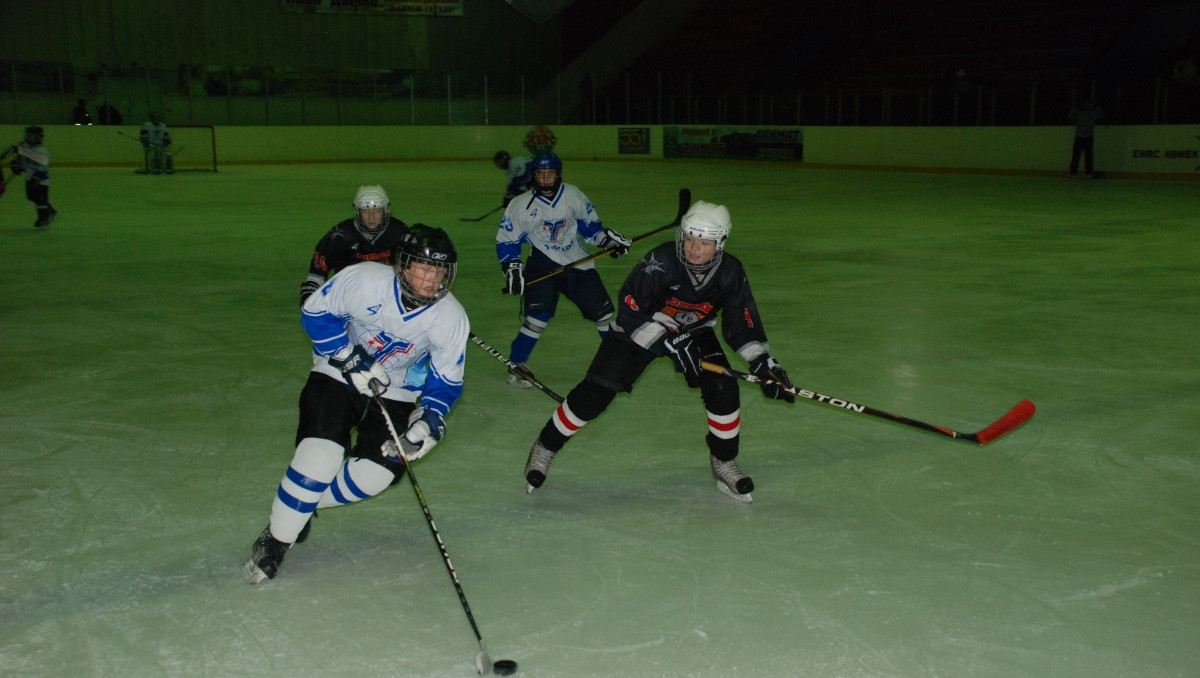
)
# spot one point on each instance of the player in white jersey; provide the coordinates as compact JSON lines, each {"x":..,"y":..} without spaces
{"x":394,"y":330}
{"x":518,"y":172}
{"x":155,"y":139}
{"x":32,"y":163}
{"x":555,"y":219}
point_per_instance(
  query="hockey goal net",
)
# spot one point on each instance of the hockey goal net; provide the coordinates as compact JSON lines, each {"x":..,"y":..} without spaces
{"x":193,"y":149}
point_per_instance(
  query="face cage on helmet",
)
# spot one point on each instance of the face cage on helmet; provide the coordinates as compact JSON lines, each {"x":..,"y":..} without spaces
{"x":383,"y":221}
{"x":410,"y":294}
{"x":548,"y":191}
{"x":682,"y":253}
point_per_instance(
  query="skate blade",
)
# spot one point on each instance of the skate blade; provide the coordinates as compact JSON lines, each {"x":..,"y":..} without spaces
{"x":743,"y":498}
{"x":529,"y":489}
{"x":253,"y":574}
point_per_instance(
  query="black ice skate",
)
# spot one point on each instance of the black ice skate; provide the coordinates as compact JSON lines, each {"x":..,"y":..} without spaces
{"x":265,"y":559}
{"x":538,"y":465}
{"x":732,"y":480}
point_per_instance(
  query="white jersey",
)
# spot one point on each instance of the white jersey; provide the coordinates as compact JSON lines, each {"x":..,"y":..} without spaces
{"x":423,"y":349}
{"x":35,"y":162}
{"x":556,"y":227}
{"x":155,"y":134}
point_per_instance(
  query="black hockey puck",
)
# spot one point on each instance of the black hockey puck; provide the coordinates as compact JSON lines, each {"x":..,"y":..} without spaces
{"x":504,"y":667}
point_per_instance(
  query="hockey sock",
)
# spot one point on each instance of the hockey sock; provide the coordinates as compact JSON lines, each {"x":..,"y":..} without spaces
{"x":723,"y":432}
{"x":358,"y":479}
{"x":527,"y":338}
{"x":584,"y":403}
{"x":603,"y":324}
{"x":314,"y":465}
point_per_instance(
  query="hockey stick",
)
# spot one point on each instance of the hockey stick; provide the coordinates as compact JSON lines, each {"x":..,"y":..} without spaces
{"x":1018,"y":415}
{"x":685,"y":201}
{"x":483,"y":663}
{"x":484,"y":216}
{"x":523,"y":371}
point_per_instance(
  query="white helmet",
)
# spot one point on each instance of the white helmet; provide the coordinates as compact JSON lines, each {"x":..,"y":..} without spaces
{"x":371,"y":197}
{"x":706,"y":221}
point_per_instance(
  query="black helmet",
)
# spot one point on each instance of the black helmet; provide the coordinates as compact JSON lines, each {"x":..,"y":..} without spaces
{"x":431,"y":247}
{"x":501,"y":159}
{"x":34,"y":129}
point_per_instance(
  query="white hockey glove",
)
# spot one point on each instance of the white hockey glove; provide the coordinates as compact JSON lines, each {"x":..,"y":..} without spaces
{"x":425,"y":429}
{"x":514,"y":276}
{"x":360,"y":370}
{"x":616,"y":242}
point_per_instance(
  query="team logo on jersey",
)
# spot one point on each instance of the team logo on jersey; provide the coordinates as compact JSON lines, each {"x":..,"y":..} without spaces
{"x":386,"y":347}
{"x":652,"y":265}
{"x":749,"y":318}
{"x":553,"y":229}
{"x":631,"y":302}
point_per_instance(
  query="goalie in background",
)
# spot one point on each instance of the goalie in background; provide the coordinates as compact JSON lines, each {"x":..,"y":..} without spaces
{"x":155,"y":139}
{"x":33,"y":164}
{"x":669,"y":305}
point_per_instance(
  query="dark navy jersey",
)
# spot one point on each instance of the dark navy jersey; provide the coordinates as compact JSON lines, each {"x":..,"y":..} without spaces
{"x":661,"y":292}
{"x":344,"y":245}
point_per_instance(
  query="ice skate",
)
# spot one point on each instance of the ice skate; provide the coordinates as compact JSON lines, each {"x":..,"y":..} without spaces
{"x":267,"y":556}
{"x":516,"y":379}
{"x":732,"y":480}
{"x":538,"y":465}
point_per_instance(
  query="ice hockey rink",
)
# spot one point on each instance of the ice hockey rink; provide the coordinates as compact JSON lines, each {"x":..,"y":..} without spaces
{"x":152,"y":360}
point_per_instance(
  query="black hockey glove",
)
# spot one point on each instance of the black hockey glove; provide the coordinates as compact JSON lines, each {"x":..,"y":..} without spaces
{"x":308,"y":289}
{"x":616,"y":242}
{"x":514,"y":276}
{"x":765,"y":367}
{"x":360,"y":370}
{"x":687,"y":354}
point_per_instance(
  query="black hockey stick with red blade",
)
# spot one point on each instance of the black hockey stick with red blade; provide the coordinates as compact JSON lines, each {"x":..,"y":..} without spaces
{"x":524,"y":372}
{"x":1018,"y":415}
{"x":685,"y":201}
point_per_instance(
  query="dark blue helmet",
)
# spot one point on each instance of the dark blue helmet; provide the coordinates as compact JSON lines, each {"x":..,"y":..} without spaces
{"x":501,"y":159}
{"x":543,"y":183}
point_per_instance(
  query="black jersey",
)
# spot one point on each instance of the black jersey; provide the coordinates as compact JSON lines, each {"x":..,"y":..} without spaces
{"x":660,"y":283}
{"x":345,"y":245}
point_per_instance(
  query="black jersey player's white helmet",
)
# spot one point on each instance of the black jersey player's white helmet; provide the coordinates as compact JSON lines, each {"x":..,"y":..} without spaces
{"x":547,"y":174}
{"x":426,"y":265}
{"x":703,"y":221}
{"x":368,"y":198}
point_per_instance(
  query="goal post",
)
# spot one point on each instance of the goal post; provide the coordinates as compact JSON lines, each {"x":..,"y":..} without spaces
{"x":193,"y":149}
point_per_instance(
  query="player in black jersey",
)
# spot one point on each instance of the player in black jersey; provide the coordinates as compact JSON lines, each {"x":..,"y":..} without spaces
{"x":669,"y":305}
{"x":371,"y":235}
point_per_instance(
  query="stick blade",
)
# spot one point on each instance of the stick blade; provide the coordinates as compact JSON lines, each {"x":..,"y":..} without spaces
{"x":1018,"y":415}
{"x":685,"y":201}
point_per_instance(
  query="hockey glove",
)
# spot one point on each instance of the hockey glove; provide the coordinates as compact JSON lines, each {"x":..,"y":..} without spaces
{"x":687,"y":354}
{"x":764,"y":367}
{"x":360,"y":370}
{"x":309,"y":288}
{"x":16,"y":166}
{"x":425,"y":429}
{"x":514,"y":276}
{"x":616,"y":242}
